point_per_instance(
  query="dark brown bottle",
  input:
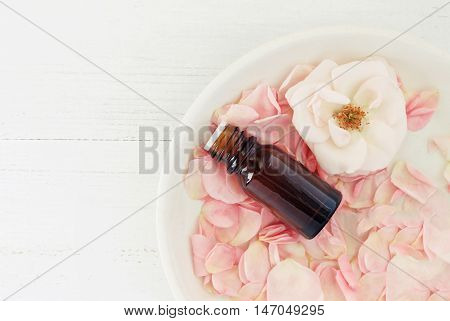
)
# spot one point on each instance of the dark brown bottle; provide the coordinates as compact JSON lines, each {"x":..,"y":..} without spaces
{"x":299,"y":198}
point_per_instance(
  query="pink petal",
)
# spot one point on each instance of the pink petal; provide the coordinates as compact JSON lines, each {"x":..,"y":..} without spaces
{"x":350,"y":294}
{"x":205,"y":228}
{"x":249,"y":224}
{"x":312,"y":248}
{"x":220,"y":214}
{"x":239,"y":115}
{"x":221,"y":185}
{"x":218,"y":114}
{"x":443,"y":144}
{"x":271,"y":129}
{"x":256,"y":262}
{"x":306,"y":157}
{"x":278,"y":233}
{"x":402,"y":243}
{"x":241,"y":270}
{"x":295,"y":251}
{"x":371,"y":286}
{"x":193,"y":180}
{"x":347,"y":271}
{"x":420,"y":107}
{"x":289,"y":280}
{"x":407,"y":216}
{"x":385,"y":192}
{"x":201,"y":246}
{"x":289,"y":141}
{"x":199,"y":266}
{"x":377,"y":215}
{"x":412,"y":182}
{"x":331,"y":245}
{"x":225,"y":235}
{"x":374,"y":254}
{"x":250,"y":291}
{"x":238,"y":254}
{"x":274,"y":255}
{"x":220,"y":258}
{"x":227,"y":282}
{"x":436,"y":232}
{"x":331,"y":289}
{"x":359,"y":192}
{"x":411,"y":279}
{"x":296,"y":75}
{"x":267,"y":217}
{"x":263,"y":100}
{"x":318,"y":266}
{"x":347,"y":221}
{"x":251,"y":204}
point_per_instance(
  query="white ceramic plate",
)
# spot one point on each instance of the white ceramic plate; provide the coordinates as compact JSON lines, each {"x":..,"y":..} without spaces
{"x":419,"y":65}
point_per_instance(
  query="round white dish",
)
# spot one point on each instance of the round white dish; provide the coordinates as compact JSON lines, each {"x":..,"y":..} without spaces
{"x":420,"y":66}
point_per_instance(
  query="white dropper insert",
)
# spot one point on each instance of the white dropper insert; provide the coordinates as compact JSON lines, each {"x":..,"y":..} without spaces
{"x":220,"y":128}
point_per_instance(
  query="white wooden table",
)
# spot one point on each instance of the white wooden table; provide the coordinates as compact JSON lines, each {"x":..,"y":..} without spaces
{"x":69,"y":133}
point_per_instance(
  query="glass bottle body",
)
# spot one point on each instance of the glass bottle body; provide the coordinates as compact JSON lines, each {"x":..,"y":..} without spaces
{"x":296,"y":196}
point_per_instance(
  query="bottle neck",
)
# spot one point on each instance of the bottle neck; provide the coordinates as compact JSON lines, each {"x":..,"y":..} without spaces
{"x":232,"y":147}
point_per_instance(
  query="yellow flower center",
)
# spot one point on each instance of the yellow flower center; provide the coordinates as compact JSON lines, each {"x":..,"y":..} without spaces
{"x":350,"y":117}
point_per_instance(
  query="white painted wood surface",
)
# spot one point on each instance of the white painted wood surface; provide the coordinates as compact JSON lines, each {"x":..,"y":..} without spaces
{"x":69,"y":133}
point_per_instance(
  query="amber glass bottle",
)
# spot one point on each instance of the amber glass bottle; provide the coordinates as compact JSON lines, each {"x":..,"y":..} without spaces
{"x":299,"y":198}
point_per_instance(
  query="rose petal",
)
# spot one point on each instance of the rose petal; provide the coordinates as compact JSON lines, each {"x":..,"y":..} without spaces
{"x":374,"y":254}
{"x":408,"y":278}
{"x":193,"y":180}
{"x":239,"y":115}
{"x":220,"y":258}
{"x":296,"y":75}
{"x":407,"y":215}
{"x":250,"y":291}
{"x":201,"y":246}
{"x":205,"y":228}
{"x":331,"y":245}
{"x":225,"y":235}
{"x":385,"y":192}
{"x":443,"y":144}
{"x":411,"y":182}
{"x":263,"y":100}
{"x":220,"y":214}
{"x":227,"y":282}
{"x":347,"y":78}
{"x":256,"y":262}
{"x":271,"y":129}
{"x":241,"y":270}
{"x":371,"y":286}
{"x":436,"y":230}
{"x":347,"y":221}
{"x":420,"y":107}
{"x":274,"y":255}
{"x":330,"y":287}
{"x":249,"y":224}
{"x":289,"y":280}
{"x":340,"y":136}
{"x":267,"y":217}
{"x":350,"y":294}
{"x":221,"y":185}
{"x":347,"y":271}
{"x":312,"y":248}
{"x":278,"y":233}
{"x":375,"y":217}
{"x":295,"y":251}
